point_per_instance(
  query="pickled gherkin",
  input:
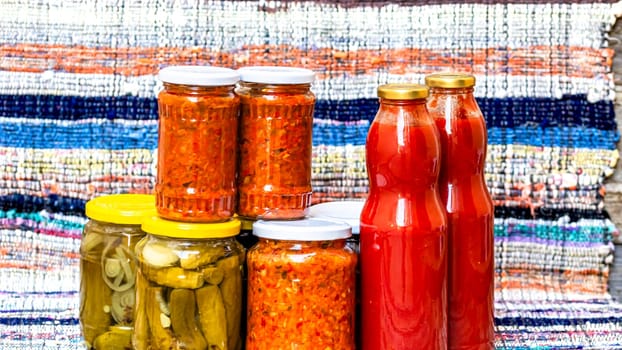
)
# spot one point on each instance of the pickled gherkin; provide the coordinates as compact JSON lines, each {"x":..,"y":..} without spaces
{"x":189,"y":286}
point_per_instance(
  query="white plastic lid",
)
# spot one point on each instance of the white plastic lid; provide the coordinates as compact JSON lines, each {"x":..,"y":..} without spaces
{"x":347,"y":211}
{"x":276,"y":75}
{"x":199,"y":75}
{"x":310,"y":229}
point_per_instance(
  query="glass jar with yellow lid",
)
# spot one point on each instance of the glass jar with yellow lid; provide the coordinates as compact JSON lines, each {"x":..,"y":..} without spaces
{"x":107,"y":267}
{"x":189,"y":285}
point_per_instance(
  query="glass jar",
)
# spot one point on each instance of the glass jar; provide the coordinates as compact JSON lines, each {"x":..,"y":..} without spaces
{"x":470,"y":211}
{"x":107,"y":267}
{"x":197,"y":144}
{"x":350,"y":213}
{"x":403,"y":227}
{"x":301,"y":286}
{"x":346,"y":211}
{"x":188,"y":286}
{"x":274,"y":180}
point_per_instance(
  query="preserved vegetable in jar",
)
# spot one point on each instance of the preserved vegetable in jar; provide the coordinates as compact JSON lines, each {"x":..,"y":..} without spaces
{"x":188,"y":286}
{"x":197,"y":144}
{"x":276,"y":112}
{"x":469,"y":210}
{"x":403,"y":227}
{"x":301,"y":286}
{"x":107,"y":268}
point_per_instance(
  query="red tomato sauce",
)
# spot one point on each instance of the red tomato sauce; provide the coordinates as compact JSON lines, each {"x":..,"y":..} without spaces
{"x":403,"y":243}
{"x":470,"y":219}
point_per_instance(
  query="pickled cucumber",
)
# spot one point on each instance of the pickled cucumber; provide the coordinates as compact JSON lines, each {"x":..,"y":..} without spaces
{"x":183,"y":310}
{"x":212,"y":318}
{"x":94,"y":303}
{"x":204,"y":255}
{"x":231,"y":290}
{"x":174,"y":277}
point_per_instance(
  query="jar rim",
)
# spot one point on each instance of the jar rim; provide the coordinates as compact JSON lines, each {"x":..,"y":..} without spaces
{"x":308,"y":229}
{"x":122,"y":209}
{"x":199,"y":75}
{"x":276,"y":75}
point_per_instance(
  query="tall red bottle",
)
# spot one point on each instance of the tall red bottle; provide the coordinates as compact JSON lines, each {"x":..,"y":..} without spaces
{"x":469,"y":210}
{"x":402,"y":233}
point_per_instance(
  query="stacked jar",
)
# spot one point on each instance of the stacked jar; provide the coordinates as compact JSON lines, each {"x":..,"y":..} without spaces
{"x":189,"y":280}
{"x":301,"y":273}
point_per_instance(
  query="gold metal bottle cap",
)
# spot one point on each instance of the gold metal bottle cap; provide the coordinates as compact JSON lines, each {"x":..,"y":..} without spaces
{"x":402,"y":91}
{"x":450,"y":80}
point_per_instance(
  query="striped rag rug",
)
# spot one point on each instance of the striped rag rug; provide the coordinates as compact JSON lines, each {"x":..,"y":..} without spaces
{"x":78,"y":118}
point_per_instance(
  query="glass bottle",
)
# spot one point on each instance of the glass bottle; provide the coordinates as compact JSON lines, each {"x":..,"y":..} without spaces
{"x":276,"y":125}
{"x":108,"y":269}
{"x":197,"y":144}
{"x":469,"y":210}
{"x":301,"y":286}
{"x":403,"y":227}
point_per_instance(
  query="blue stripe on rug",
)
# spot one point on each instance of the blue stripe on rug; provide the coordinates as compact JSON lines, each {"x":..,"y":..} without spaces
{"x":122,"y":134}
{"x":573,"y":111}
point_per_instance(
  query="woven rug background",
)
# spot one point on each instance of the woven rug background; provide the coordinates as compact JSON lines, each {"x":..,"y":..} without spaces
{"x":78,"y":119}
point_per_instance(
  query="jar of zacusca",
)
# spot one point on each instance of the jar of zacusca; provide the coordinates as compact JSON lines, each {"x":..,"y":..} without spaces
{"x":276,"y":123}
{"x":197,"y":144}
{"x":189,"y":286}
{"x":107,"y":267}
{"x":301,"y":286}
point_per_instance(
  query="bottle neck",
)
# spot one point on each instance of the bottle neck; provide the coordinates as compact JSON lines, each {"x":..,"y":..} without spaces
{"x":404,"y":112}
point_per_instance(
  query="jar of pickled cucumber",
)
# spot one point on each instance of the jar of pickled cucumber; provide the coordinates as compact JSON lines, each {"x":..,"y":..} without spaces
{"x":301,"y":286}
{"x":107,"y":267}
{"x":188,"y":286}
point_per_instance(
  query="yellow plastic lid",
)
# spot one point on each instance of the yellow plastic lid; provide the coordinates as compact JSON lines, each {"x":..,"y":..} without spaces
{"x":122,"y":209}
{"x":178,"y":229}
{"x":402,"y":91}
{"x":450,"y":80}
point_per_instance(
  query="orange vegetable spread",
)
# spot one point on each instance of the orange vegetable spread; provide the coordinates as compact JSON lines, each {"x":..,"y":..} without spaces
{"x":197,"y":152}
{"x":301,"y":295}
{"x":274,"y":179}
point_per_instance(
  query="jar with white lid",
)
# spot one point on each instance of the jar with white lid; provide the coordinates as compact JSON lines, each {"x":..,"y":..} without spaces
{"x":197,"y":144}
{"x":346,"y":211}
{"x":276,"y":125}
{"x":301,"y":286}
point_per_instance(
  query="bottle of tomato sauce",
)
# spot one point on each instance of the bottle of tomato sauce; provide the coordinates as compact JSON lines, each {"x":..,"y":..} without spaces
{"x":402,"y":234}
{"x":469,"y":210}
